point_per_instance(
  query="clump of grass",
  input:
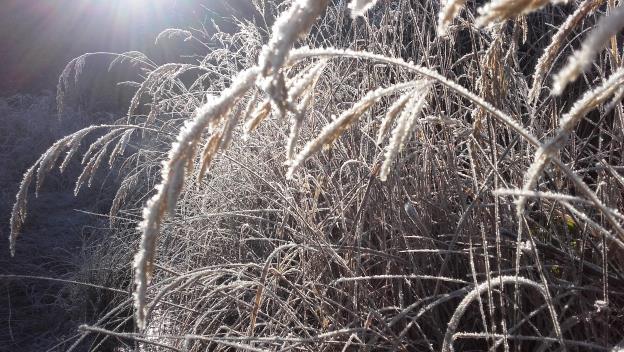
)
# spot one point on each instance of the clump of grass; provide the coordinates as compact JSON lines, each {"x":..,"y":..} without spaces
{"x":341,"y":242}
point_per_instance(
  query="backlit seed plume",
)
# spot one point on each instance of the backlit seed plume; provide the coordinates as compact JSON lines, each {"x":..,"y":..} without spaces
{"x":49,"y":159}
{"x":173,"y":174}
{"x":18,"y":215}
{"x":297,"y":121}
{"x":359,"y":7}
{"x":499,"y":10}
{"x":294,"y":88}
{"x":394,"y":111}
{"x":447,"y":14}
{"x":595,"y":42}
{"x":257,"y":116}
{"x":208,"y":154}
{"x":171,"y":33}
{"x":289,"y":27}
{"x":404,"y":127}
{"x":558,"y":40}
{"x":40,"y":169}
{"x":568,"y":121}
{"x":305,"y":85}
{"x":120,"y":147}
{"x":332,"y":131}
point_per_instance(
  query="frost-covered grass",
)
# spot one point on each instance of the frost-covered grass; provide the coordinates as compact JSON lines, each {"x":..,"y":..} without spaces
{"x":402,"y":180}
{"x":45,"y":297}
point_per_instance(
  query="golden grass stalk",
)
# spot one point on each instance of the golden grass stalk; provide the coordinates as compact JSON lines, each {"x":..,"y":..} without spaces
{"x":304,"y":81}
{"x":448,"y":12}
{"x":500,"y":10}
{"x":208,"y":154}
{"x":250,"y":107}
{"x":294,"y":88}
{"x":456,"y":88}
{"x":258,"y":115}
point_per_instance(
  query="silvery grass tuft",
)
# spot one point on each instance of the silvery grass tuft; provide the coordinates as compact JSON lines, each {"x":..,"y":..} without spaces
{"x":558,"y":40}
{"x":404,"y":127}
{"x":289,"y":27}
{"x":583,"y":58}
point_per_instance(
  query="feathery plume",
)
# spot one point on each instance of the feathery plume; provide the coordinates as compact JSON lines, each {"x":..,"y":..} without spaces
{"x":302,"y":86}
{"x":72,"y":147}
{"x":499,"y":10}
{"x":171,"y":33}
{"x":581,"y":107}
{"x":447,"y":14}
{"x":120,"y":147}
{"x":550,"y":53}
{"x":295,"y":87}
{"x":391,"y":115}
{"x":332,"y":131}
{"x":172,"y":179}
{"x":208,"y":154}
{"x":152,"y":79}
{"x":580,"y":60}
{"x":89,"y":170}
{"x":133,"y":57}
{"x":18,"y":214}
{"x":257,"y":116}
{"x":305,"y":80}
{"x":289,"y":27}
{"x":296,"y":122}
{"x":505,"y":119}
{"x":48,"y":160}
{"x":404,"y":127}
{"x":250,"y":107}
{"x":64,"y":85}
{"x":100,"y":143}
{"x":359,"y":7}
